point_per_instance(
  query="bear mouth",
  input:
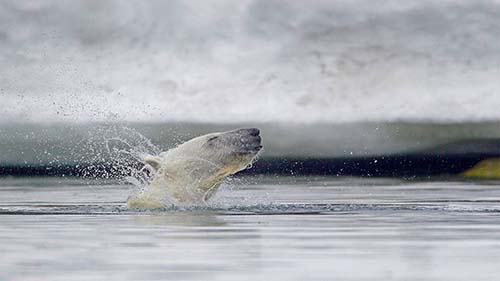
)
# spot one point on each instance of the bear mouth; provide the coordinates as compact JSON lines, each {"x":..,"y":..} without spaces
{"x":253,"y":146}
{"x":253,"y":149}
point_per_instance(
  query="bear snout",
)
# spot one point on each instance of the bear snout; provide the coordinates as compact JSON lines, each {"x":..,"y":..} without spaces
{"x":249,"y":131}
{"x":253,"y":131}
{"x":253,"y":143}
{"x":247,"y":140}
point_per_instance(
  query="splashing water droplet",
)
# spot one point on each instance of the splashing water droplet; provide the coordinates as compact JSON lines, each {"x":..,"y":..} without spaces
{"x":118,"y":152}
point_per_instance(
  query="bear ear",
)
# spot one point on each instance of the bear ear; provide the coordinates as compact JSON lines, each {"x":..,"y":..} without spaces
{"x":153,"y":161}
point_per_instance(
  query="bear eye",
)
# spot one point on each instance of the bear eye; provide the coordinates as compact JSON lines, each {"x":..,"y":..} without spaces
{"x":213,"y":138}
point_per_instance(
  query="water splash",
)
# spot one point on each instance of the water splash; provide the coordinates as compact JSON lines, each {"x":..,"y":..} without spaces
{"x":118,"y":152}
{"x":248,"y":209}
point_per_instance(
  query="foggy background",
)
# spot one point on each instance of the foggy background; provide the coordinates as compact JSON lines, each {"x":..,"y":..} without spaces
{"x":249,"y":61}
{"x":321,"y":79}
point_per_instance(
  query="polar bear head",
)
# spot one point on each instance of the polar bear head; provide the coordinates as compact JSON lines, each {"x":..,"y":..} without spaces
{"x":192,"y":172}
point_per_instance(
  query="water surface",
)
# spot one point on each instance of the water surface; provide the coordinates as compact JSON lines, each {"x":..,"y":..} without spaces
{"x":259,"y":228}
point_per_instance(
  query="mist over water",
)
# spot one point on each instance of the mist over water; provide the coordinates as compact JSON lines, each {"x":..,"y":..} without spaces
{"x":249,"y":61}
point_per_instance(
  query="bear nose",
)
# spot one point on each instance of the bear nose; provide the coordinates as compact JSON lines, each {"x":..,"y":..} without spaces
{"x":253,"y":131}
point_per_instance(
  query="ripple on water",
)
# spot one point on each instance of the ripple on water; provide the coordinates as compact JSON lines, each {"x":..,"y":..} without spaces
{"x":257,"y":209}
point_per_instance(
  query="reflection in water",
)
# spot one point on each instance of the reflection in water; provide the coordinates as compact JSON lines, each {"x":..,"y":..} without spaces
{"x":314,"y":230}
{"x":180,"y":219}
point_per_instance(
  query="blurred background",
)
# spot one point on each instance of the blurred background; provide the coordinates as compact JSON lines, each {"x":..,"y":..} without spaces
{"x":370,"y":88}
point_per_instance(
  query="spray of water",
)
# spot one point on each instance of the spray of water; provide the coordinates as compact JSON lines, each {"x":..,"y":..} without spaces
{"x":118,"y":152}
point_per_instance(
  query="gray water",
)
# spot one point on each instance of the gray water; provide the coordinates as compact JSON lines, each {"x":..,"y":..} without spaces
{"x":259,"y":228}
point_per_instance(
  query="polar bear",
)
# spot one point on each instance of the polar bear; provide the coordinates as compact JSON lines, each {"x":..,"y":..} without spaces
{"x":192,"y":172}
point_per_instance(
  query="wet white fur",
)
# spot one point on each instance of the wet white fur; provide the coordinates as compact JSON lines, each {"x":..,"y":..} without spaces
{"x":189,"y":173}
